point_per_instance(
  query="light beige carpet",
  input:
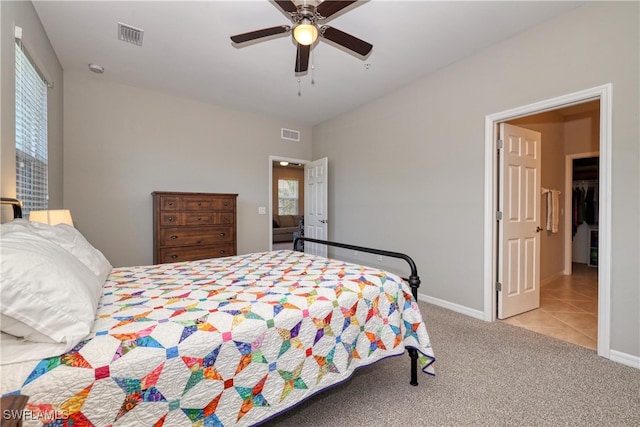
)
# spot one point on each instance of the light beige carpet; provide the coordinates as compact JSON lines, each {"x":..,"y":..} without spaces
{"x":487,"y":374}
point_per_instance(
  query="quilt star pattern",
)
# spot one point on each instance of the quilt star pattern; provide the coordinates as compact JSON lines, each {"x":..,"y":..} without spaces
{"x":222,"y":342}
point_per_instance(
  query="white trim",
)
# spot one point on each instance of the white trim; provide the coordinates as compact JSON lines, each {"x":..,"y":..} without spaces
{"x":568,"y":188}
{"x":604,"y":93}
{"x":476,"y":314}
{"x":625,"y":359}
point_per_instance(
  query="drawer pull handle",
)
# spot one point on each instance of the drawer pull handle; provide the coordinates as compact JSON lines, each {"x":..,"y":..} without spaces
{"x":223,"y":234}
{"x":174,"y":256}
{"x":174,"y":237}
{"x":199,"y":218}
{"x":170,"y":219}
{"x":170,"y":203}
{"x":226,"y":204}
{"x":222,"y":251}
{"x":199,"y":203}
{"x":226,"y":218}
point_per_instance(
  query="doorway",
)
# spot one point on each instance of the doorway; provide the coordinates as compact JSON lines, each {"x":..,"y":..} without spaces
{"x":603,"y":95}
{"x":289,"y":174}
{"x":569,"y":299}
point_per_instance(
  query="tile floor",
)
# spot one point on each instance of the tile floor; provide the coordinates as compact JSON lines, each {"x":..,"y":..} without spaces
{"x":282,"y":246}
{"x":568,"y":308}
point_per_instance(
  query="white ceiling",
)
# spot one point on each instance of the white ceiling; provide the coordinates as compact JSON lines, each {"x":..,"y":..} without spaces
{"x":187,"y":50}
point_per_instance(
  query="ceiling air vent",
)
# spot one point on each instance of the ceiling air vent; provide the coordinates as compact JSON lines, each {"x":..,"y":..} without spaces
{"x":290,"y":134}
{"x":130,"y":34}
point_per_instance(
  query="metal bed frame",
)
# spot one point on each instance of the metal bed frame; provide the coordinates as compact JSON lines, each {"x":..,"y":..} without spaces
{"x":413,"y":281}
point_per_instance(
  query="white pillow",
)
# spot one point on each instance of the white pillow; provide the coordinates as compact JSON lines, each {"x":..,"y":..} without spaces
{"x":70,"y":239}
{"x":46,"y":292}
{"x":21,"y":330}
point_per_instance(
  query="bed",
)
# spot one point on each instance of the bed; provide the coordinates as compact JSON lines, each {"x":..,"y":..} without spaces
{"x":228,"y":341}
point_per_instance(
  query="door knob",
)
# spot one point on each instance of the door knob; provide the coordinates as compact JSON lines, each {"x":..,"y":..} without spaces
{"x":323,"y":221}
{"x":538,"y":229}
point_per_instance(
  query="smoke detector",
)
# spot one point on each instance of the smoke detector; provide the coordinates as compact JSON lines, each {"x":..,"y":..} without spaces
{"x":98,"y":69}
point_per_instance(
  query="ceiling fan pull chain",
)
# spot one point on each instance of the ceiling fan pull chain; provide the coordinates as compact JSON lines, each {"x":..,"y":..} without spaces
{"x":313,"y":67}
{"x":299,"y":92}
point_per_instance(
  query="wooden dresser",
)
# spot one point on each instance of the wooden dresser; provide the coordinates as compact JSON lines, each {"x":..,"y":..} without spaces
{"x":191,"y":226}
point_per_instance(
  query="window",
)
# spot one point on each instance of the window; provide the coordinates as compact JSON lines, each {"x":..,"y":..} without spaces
{"x":287,"y":197}
{"x":32,"y":173}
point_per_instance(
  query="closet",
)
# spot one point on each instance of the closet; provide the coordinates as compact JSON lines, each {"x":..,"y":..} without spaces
{"x":585,"y":211}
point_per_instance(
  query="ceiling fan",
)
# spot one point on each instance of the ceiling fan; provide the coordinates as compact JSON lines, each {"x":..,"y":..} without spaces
{"x":306,"y":29}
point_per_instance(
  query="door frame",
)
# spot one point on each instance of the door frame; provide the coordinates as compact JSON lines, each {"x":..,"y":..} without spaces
{"x":270,"y":192}
{"x":604,"y":93}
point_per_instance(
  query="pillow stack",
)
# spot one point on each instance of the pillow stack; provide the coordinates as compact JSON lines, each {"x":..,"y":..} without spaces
{"x":51,"y":280}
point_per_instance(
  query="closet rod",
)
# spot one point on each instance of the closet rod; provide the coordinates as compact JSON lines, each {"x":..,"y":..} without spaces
{"x":584,"y":181}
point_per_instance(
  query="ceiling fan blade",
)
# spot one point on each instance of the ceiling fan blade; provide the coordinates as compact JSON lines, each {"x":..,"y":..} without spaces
{"x":302,"y":58}
{"x":328,"y":8}
{"x":287,"y":5}
{"x":352,"y":43}
{"x":258,"y":34}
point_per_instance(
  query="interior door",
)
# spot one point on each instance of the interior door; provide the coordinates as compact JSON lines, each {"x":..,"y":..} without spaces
{"x":519,"y":228}
{"x":315,"y":205}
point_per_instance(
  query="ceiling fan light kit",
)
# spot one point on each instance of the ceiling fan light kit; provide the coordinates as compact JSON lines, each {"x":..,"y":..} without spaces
{"x":305,"y":32}
{"x":305,"y":19}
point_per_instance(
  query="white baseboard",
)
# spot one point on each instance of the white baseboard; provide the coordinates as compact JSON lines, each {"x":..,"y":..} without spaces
{"x":615,"y":356}
{"x":477,"y":314}
{"x":625,"y":358}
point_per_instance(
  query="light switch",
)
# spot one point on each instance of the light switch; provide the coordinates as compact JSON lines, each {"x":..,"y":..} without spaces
{"x":262,"y":210}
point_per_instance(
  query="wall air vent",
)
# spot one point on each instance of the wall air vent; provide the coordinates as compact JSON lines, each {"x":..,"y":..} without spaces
{"x":290,"y":134}
{"x":130,"y":34}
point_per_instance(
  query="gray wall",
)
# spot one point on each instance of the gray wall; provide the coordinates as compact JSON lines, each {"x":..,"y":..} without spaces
{"x":122,"y":143}
{"x":22,"y":14}
{"x":414,"y":159}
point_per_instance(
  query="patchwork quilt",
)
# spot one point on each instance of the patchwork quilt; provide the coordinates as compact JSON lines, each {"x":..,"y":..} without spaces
{"x":228,"y":341}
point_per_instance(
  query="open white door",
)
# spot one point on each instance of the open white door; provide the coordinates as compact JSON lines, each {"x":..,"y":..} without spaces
{"x":315,"y":205}
{"x":518,"y":230}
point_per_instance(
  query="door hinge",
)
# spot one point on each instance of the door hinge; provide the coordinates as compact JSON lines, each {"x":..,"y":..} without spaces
{"x":499,"y":215}
{"x":498,"y":287}
{"x":499,"y":144}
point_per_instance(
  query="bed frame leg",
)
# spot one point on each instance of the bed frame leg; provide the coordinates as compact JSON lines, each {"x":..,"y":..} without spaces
{"x":414,"y":282}
{"x":413,"y":354}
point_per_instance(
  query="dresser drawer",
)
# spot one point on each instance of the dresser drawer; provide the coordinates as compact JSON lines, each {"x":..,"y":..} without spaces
{"x":198,"y":203}
{"x":177,"y":236}
{"x":224,"y":218}
{"x":169,"y":203}
{"x":227,"y":204}
{"x":196,"y":218}
{"x":188,"y":253}
{"x":187,"y":218}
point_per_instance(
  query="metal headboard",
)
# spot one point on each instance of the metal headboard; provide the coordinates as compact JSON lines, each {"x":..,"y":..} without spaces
{"x":15,"y":204}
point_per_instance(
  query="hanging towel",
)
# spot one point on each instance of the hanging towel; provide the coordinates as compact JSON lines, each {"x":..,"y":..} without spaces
{"x":552,"y":210}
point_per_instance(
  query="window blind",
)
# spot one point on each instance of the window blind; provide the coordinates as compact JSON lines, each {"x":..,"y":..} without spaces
{"x":287,"y":197}
{"x":32,"y":174}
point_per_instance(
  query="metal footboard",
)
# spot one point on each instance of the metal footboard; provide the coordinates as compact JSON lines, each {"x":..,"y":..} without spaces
{"x":413,"y":280}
